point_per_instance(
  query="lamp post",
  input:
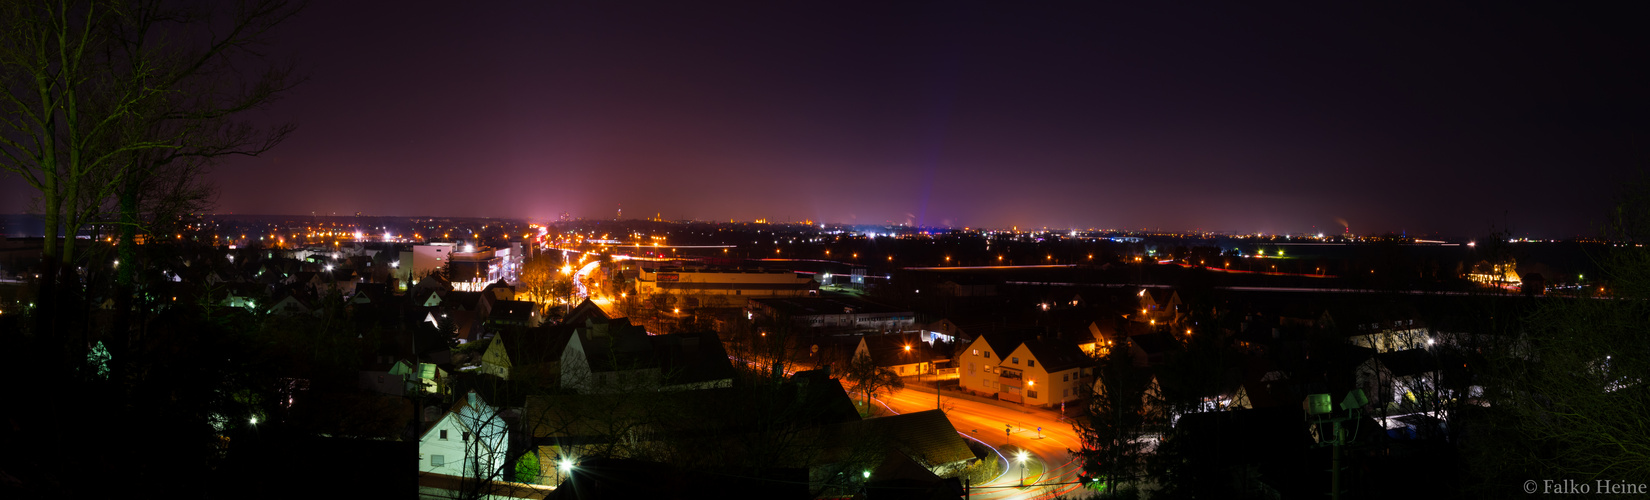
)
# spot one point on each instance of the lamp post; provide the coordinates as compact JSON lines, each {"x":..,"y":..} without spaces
{"x":1022,"y":458}
{"x":1320,"y":411}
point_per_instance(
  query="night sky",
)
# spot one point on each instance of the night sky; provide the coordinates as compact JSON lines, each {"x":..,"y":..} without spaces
{"x":1231,"y":117}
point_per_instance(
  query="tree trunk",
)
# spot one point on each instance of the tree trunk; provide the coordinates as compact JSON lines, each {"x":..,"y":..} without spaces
{"x":44,"y":312}
{"x":126,"y":264}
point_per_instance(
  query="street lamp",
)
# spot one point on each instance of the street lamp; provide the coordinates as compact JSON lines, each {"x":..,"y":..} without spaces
{"x":1320,"y":411}
{"x":565,"y":466}
{"x":1022,"y":458}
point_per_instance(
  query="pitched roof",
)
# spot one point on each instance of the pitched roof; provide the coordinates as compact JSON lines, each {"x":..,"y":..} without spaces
{"x":512,"y":310}
{"x":536,"y":345}
{"x":585,"y":311}
{"x":926,"y":436}
{"x":1003,"y":343}
{"x":890,"y":350}
{"x":1057,"y":355}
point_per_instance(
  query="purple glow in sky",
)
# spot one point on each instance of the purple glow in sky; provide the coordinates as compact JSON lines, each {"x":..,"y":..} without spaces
{"x":1413,"y":118}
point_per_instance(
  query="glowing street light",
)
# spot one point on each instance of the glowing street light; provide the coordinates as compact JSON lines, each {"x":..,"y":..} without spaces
{"x":1022,"y":458}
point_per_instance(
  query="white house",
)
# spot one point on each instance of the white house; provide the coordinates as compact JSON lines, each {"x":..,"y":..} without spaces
{"x":468,"y":441}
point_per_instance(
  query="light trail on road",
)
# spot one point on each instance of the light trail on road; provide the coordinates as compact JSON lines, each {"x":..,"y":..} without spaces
{"x":970,"y":417}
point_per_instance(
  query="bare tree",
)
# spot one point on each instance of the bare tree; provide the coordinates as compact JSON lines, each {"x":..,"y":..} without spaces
{"x":108,"y":102}
{"x":868,"y":378}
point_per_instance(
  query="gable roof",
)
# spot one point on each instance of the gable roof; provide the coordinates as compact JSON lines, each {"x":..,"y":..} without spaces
{"x":1057,"y":355}
{"x":536,"y":345}
{"x":1002,"y":343}
{"x":585,"y":311}
{"x":926,"y":436}
{"x":890,"y":350}
{"x":513,"y":310}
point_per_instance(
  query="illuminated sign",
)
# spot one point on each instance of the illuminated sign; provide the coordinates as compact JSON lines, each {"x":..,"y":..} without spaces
{"x":669,"y":277}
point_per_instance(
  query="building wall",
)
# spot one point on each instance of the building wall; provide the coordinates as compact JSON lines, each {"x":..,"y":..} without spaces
{"x":454,"y":448}
{"x":730,"y":293}
{"x":495,"y":362}
{"x":1051,"y":388}
{"x":1395,"y":339}
{"x":427,"y":258}
{"x":977,"y":370}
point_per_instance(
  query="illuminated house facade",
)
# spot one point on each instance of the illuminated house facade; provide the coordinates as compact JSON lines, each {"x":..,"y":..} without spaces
{"x":468,"y":441}
{"x":1035,"y":372}
{"x":423,"y":260}
{"x":1488,"y":273}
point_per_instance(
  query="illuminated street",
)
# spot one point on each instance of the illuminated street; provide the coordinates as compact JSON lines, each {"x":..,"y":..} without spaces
{"x":985,"y":422}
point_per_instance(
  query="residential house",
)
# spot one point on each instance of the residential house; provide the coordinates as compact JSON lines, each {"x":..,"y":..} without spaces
{"x":977,"y":367}
{"x":1034,"y":371}
{"x":584,"y":313}
{"x":618,"y":357}
{"x":398,"y":379}
{"x":1399,"y":376}
{"x":1158,"y":306}
{"x":533,"y":354}
{"x":514,"y":313}
{"x":905,"y":357}
{"x":1384,"y":328}
{"x":470,"y":441}
{"x":291,"y":305}
{"x":1054,"y":372}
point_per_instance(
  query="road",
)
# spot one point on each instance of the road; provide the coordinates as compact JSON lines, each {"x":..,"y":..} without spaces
{"x":986,"y":423}
{"x":581,"y":275}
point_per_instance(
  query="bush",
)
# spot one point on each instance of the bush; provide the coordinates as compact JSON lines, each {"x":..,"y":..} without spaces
{"x":527,"y":468}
